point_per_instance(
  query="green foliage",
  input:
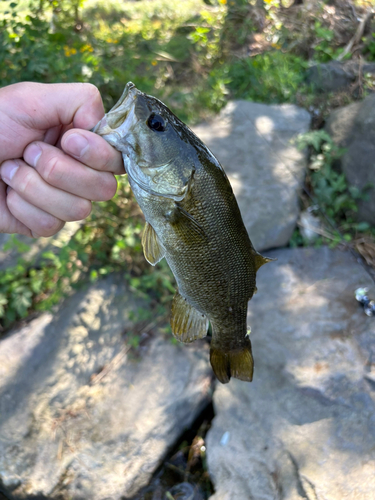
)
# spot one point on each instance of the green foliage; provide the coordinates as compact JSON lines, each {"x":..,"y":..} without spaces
{"x":369,"y":48}
{"x":269,"y":77}
{"x":335,"y":197}
{"x":332,"y":193}
{"x":325,"y":50}
{"x":29,"y":51}
{"x":108,"y":242}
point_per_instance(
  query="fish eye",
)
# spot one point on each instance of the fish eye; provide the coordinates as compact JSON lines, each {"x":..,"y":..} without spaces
{"x":156,"y":122}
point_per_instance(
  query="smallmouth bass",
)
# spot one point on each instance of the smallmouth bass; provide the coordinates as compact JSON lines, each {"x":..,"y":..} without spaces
{"x":193,"y":220}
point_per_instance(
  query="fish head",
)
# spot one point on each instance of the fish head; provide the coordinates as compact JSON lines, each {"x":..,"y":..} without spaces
{"x":158,"y":149}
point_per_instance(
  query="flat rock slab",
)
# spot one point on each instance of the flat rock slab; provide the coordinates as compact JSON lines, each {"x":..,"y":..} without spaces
{"x":304,"y":429}
{"x":80,"y":416}
{"x":254,"y":144}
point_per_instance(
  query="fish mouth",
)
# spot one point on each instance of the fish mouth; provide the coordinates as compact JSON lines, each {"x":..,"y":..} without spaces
{"x":115,"y":124}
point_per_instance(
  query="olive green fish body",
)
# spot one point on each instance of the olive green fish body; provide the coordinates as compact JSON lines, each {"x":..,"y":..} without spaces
{"x":193,"y":220}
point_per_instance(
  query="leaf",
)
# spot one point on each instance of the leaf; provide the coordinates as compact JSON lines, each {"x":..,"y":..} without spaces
{"x":3,"y":302}
{"x":362,"y":226}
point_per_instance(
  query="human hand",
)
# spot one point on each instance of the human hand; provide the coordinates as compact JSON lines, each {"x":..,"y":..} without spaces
{"x":51,"y":166}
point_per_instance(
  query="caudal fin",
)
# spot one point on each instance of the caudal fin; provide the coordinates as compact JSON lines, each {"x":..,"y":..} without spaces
{"x":237,"y":363}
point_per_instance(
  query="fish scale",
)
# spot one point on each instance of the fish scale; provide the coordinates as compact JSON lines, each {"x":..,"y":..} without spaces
{"x":193,"y":221}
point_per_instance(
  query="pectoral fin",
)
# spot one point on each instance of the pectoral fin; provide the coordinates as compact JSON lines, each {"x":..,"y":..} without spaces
{"x":187,"y":323}
{"x":152,"y":249}
{"x":180,"y":216}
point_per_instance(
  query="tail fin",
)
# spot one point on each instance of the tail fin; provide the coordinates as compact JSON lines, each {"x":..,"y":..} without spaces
{"x":237,"y":363}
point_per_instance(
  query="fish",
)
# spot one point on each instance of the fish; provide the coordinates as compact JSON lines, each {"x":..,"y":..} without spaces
{"x":194,"y":222}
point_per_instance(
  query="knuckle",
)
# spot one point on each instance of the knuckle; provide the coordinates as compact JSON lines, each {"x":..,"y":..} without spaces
{"x":108,"y":188}
{"x":93,"y":91}
{"x":24,"y":180}
{"x":48,"y":226}
{"x":50,"y":170}
{"x":12,"y":200}
{"x":107,"y":158}
{"x":81,"y":210}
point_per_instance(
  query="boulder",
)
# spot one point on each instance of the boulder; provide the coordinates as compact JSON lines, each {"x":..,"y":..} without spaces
{"x":305,"y":427}
{"x":254,"y":144}
{"x":335,"y":75}
{"x":81,"y":416}
{"x":353,"y":128}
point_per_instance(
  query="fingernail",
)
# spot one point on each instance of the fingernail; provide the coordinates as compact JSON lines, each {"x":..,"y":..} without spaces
{"x":8,"y":169}
{"x":32,"y":154}
{"x":76,"y":145}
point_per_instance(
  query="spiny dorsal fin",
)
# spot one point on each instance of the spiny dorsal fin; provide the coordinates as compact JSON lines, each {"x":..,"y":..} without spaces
{"x":152,"y":249}
{"x":187,"y":323}
{"x":260,"y":260}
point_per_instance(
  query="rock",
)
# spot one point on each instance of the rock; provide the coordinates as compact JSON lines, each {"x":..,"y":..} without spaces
{"x":305,"y":427}
{"x":353,"y":128}
{"x":335,"y":75}
{"x":80,"y":416}
{"x":253,"y":142}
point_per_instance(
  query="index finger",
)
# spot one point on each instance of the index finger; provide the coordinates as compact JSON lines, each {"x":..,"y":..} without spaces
{"x":30,"y":109}
{"x":50,"y":104}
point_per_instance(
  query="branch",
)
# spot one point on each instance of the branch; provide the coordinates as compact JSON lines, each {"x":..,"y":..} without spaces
{"x":357,"y":35}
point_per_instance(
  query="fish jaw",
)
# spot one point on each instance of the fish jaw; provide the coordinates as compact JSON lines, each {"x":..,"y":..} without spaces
{"x":115,"y":126}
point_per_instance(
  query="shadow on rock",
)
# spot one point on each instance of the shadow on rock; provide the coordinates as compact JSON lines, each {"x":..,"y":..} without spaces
{"x":305,"y":427}
{"x":66,"y":433}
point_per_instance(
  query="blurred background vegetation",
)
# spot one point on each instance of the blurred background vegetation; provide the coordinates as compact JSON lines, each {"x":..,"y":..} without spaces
{"x":194,"y":55}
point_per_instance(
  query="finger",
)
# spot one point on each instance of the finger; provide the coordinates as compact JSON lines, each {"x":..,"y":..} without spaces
{"x":52,"y":134}
{"x":93,"y":151}
{"x":63,"y":172}
{"x":40,"y":223}
{"x":27,"y":182}
{"x":9,"y":223}
{"x":57,"y":104}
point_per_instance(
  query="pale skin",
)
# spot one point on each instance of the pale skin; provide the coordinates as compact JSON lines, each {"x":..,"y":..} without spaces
{"x":51,"y":167}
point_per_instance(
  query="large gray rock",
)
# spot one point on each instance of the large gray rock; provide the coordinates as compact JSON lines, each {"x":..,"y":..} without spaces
{"x":305,"y":427}
{"x":334,"y":75}
{"x":353,"y":127}
{"x":254,"y":143}
{"x":80,"y":416}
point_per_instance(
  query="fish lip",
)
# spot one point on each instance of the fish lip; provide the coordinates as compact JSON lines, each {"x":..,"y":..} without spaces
{"x":122,"y":107}
{"x":128,"y":90}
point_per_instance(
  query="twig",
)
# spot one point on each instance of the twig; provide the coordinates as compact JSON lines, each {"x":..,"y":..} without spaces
{"x":317,"y":230}
{"x":357,"y":35}
{"x":111,"y":365}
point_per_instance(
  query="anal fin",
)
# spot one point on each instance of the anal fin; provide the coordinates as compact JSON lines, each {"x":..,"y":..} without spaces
{"x":237,"y":363}
{"x":260,"y":260}
{"x":187,"y":323}
{"x":152,"y":249}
